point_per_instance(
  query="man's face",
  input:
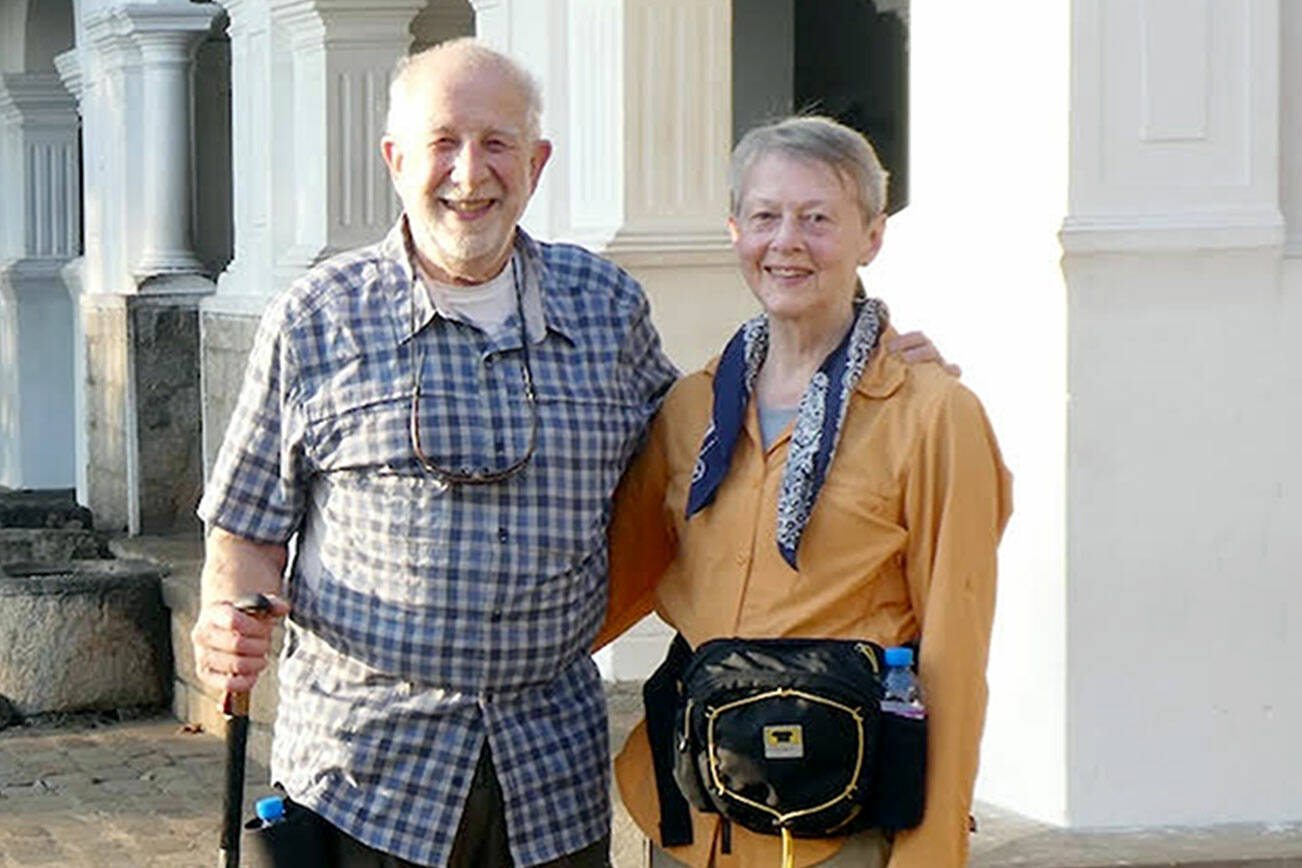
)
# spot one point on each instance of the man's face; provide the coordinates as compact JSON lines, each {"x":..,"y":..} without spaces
{"x":465,"y":167}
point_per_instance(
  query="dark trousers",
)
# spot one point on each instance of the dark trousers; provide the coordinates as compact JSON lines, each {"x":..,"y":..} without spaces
{"x":481,"y":836}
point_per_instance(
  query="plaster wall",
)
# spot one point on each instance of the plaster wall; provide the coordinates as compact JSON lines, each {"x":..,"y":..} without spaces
{"x":1185,"y":496}
{"x":974,"y":261}
{"x":36,"y":412}
{"x":13,"y":31}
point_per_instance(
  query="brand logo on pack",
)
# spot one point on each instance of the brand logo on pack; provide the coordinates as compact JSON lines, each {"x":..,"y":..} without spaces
{"x":784,"y":741}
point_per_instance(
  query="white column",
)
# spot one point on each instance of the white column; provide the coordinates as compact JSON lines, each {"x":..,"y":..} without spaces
{"x":649,"y":126}
{"x":39,"y":124}
{"x":69,"y":66}
{"x":1175,"y":133}
{"x":1183,"y":375}
{"x":342,"y":54}
{"x":167,"y":35}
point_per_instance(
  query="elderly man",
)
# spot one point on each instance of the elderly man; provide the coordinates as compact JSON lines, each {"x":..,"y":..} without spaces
{"x":441,"y":419}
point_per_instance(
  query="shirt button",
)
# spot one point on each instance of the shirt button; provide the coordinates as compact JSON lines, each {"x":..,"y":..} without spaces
{"x":496,"y":616}
{"x":488,"y":362}
{"x":742,"y":558}
{"x":502,"y":535}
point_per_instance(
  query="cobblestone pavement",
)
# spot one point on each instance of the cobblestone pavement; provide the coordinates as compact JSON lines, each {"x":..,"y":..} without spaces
{"x":145,"y":793}
{"x":91,"y":793}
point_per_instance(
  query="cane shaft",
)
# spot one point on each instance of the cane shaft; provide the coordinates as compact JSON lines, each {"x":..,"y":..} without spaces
{"x":237,"y":734}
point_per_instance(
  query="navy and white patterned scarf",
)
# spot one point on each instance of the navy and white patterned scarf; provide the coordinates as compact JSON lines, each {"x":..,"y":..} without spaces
{"x":818,"y":420}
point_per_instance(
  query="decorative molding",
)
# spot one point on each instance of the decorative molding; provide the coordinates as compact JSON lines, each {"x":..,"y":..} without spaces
{"x":43,"y":123}
{"x":35,"y":100}
{"x":649,"y":118}
{"x":1175,"y":127}
{"x":1158,"y":232}
{"x":68,"y":65}
{"x":1175,"y":77}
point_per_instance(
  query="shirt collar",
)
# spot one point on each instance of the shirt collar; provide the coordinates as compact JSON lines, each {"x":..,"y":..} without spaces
{"x":542,"y":310}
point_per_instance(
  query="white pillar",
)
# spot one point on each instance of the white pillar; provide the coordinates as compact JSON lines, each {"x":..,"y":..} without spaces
{"x":39,"y":171}
{"x":1182,"y":494}
{"x":167,"y":35}
{"x":69,"y":66}
{"x":342,"y":54}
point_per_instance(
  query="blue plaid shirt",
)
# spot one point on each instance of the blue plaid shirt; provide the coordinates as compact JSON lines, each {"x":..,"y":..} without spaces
{"x":426,"y":620}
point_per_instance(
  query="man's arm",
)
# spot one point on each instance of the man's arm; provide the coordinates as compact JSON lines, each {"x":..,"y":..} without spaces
{"x":230,"y":647}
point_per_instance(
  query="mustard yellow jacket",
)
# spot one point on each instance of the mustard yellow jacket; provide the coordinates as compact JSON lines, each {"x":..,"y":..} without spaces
{"x":900,"y":544}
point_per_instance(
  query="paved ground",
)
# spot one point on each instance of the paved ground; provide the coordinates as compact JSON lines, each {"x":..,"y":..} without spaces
{"x":92,"y":793}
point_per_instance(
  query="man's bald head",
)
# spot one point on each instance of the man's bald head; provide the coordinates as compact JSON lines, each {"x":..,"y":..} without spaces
{"x":464,"y":54}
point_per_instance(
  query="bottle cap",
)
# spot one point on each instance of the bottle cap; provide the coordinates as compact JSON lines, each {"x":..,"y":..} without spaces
{"x":270,"y":809}
{"x":901,"y":655}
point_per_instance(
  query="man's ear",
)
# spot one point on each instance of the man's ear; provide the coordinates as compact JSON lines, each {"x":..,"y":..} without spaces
{"x":734,"y":231}
{"x":392,"y":152}
{"x":541,"y":153}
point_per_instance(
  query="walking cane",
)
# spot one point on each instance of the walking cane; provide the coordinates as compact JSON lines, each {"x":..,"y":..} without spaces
{"x":235,"y":708}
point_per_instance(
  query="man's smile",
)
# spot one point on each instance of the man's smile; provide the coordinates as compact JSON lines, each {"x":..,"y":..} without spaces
{"x":468,"y":209}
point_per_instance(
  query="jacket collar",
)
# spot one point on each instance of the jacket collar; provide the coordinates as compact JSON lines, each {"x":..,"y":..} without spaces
{"x":880,"y":379}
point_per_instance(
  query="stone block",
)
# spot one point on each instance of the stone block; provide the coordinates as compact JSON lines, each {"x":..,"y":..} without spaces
{"x":227,"y":339}
{"x":83,"y":635}
{"x":42,"y":507}
{"x":49,"y":544}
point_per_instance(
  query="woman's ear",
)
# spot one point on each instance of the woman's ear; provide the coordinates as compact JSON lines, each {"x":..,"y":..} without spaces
{"x":873,"y":235}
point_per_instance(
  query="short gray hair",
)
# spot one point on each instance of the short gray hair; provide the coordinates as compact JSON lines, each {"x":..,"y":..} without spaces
{"x":815,"y":139}
{"x":476,"y":54}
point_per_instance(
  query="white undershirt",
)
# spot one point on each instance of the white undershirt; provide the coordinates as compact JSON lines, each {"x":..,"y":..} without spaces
{"x":484,"y":305}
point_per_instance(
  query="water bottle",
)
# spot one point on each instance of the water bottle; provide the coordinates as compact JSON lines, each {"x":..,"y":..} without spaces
{"x":270,"y":810}
{"x":901,"y":694}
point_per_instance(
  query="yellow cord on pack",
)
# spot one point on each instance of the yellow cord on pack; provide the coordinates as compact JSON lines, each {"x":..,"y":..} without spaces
{"x":788,"y":849}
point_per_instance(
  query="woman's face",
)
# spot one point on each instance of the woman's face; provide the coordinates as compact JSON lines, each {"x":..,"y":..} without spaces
{"x":800,"y":236}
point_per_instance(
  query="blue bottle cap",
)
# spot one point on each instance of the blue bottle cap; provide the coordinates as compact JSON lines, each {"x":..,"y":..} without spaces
{"x":271,"y":809}
{"x":901,"y":655}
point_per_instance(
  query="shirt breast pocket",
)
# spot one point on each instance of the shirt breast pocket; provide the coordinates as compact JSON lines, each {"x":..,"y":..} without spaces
{"x":386,"y":522}
{"x":865,"y":499}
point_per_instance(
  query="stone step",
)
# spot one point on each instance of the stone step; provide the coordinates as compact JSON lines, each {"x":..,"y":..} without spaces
{"x":43,"y":507}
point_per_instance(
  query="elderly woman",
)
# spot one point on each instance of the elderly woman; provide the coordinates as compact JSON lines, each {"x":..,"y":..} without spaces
{"x":808,"y":484}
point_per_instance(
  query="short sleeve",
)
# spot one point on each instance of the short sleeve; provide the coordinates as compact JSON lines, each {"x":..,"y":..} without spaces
{"x":646,"y":370}
{"x":257,"y":487}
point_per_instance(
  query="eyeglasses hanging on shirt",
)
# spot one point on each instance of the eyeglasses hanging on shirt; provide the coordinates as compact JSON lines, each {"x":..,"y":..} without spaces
{"x":491,"y":475}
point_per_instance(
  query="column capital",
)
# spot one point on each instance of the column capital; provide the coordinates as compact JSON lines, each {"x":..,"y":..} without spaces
{"x":36,"y":99}
{"x":359,"y":21}
{"x":171,"y":17}
{"x":69,"y":66}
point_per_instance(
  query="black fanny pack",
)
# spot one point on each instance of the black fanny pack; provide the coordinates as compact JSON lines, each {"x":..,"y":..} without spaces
{"x":783,"y":737}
